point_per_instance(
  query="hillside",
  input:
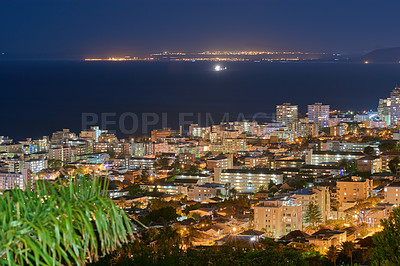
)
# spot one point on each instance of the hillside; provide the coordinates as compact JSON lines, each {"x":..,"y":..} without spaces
{"x":387,"y":55}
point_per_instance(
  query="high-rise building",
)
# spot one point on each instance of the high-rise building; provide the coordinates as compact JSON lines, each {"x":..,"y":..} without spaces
{"x":384,"y":110}
{"x":395,"y":106}
{"x":286,"y":113}
{"x":199,"y":132}
{"x":318,"y":113}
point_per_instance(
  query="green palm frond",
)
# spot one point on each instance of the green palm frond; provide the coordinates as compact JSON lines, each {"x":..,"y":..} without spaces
{"x":55,"y":224}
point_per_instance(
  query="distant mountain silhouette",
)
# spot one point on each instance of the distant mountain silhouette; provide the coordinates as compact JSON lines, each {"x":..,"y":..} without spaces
{"x":387,"y":55}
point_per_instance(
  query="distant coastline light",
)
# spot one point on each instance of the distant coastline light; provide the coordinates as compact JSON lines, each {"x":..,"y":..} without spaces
{"x":366,"y":62}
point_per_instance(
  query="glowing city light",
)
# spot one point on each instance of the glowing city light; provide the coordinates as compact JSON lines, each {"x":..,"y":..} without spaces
{"x":219,"y":68}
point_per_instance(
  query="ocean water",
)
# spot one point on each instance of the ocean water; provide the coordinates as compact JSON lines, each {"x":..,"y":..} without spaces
{"x":38,"y":97}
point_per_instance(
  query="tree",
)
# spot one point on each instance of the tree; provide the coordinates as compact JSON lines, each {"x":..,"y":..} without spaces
{"x":163,"y":162}
{"x":227,"y":187}
{"x":60,"y":224}
{"x":134,"y":190}
{"x":312,"y":215}
{"x":369,"y":150}
{"x":347,"y":248}
{"x":54,"y":163}
{"x":176,"y":164}
{"x":165,"y":247}
{"x":271,"y":184}
{"x":387,"y":250}
{"x":233,"y":192}
{"x":193,"y":169}
{"x":219,"y":194}
{"x":159,"y":203}
{"x":299,"y":183}
{"x":111,"y":153}
{"x":192,"y":207}
{"x":349,"y":165}
{"x":196,"y":216}
{"x":122,"y":202}
{"x":394,"y":164}
{"x":326,"y":131}
{"x":163,"y":215}
{"x":208,"y":154}
{"x":144,"y":177}
{"x":353,"y":128}
{"x":366,"y":139}
{"x":388,"y":147}
{"x":332,"y":254}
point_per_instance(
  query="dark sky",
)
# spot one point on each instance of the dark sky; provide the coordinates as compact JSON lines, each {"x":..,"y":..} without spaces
{"x":86,"y":28}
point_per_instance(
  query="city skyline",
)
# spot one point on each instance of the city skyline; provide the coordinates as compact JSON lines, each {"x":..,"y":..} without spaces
{"x":199,"y":132}
{"x":57,"y":93}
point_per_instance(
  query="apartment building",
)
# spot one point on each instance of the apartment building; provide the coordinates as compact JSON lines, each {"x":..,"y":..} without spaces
{"x":141,"y":162}
{"x":222,"y":161}
{"x":371,"y":164}
{"x":318,"y":113}
{"x":202,"y":178}
{"x":248,"y":180}
{"x":265,"y":161}
{"x":16,"y":180}
{"x":286,"y":113}
{"x":35,"y":165}
{"x":61,"y":153}
{"x":354,"y":189}
{"x":386,"y":158}
{"x":325,"y":238}
{"x":291,"y":163}
{"x":197,"y":131}
{"x":162,"y":133}
{"x":229,"y":145}
{"x":392,"y":193}
{"x":59,"y":137}
{"x":318,"y":195}
{"x":207,"y":191}
{"x":117,"y":148}
{"x":92,"y":134}
{"x":278,"y":217}
{"x":307,"y":171}
{"x":320,"y":157}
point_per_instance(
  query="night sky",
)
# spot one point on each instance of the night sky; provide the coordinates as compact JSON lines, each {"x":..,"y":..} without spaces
{"x":62,"y":29}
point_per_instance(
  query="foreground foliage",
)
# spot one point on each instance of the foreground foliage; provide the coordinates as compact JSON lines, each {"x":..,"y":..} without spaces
{"x":387,"y":251}
{"x":55,"y":224}
{"x":165,"y":247}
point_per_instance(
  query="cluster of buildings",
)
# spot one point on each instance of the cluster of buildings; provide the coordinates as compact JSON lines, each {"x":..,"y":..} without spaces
{"x":334,"y":160}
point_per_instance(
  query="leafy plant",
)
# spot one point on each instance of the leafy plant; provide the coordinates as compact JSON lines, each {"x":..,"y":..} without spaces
{"x":60,"y":223}
{"x":387,"y":251}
